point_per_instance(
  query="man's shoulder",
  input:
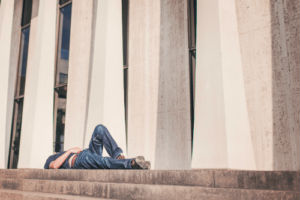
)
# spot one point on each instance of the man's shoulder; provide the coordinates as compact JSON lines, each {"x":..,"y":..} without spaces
{"x":52,"y":158}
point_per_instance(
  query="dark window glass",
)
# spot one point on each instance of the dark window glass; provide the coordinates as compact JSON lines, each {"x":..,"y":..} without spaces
{"x":125,"y":30}
{"x":63,"y":45}
{"x":60,"y":103}
{"x":192,"y":21}
{"x":62,"y":66}
{"x":61,"y":2}
{"x":16,"y":134}
{"x":26,"y":14}
{"x":125,"y":73}
{"x":20,"y":87}
{"x":125,"y":9}
{"x":23,"y":59}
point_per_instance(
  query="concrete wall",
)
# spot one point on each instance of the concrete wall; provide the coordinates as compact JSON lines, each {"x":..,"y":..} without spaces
{"x":247,"y":85}
{"x":37,"y":123}
{"x":10,"y":31}
{"x":270,"y":47}
{"x":79,"y":70}
{"x":222,"y":133}
{"x":158,"y":102}
{"x":106,"y":100}
{"x":247,"y":81}
{"x":209,"y":145}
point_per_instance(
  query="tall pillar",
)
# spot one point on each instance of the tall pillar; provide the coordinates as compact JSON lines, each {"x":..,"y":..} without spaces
{"x":159,"y":101}
{"x":270,"y":46}
{"x":10,"y":30}
{"x":106,"y":100}
{"x":222,"y":136}
{"x":209,"y":145}
{"x":37,"y":124}
{"x":79,"y":71}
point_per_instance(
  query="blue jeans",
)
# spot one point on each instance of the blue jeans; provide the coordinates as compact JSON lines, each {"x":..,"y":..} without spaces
{"x":92,"y":158}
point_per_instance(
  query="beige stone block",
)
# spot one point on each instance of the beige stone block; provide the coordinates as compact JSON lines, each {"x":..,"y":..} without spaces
{"x":159,"y":115}
{"x":10,"y":30}
{"x":286,"y":109}
{"x":106,"y":92}
{"x":253,"y":14}
{"x":81,"y":38}
{"x":256,"y":59}
{"x":37,"y":124}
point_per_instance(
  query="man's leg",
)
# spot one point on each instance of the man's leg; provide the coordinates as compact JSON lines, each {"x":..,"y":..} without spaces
{"x":88,"y":160}
{"x":101,"y":137}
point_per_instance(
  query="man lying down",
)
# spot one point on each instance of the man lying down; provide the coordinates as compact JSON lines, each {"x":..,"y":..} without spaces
{"x":91,"y":158}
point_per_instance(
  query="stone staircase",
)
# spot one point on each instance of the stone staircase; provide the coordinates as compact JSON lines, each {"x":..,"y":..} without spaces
{"x":36,"y":184}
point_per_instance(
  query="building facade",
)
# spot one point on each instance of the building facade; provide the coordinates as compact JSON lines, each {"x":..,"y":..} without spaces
{"x":186,"y":83}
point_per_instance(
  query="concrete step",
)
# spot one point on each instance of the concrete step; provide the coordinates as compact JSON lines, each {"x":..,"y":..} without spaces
{"x":265,"y":180}
{"x":23,"y":195}
{"x":142,"y":191}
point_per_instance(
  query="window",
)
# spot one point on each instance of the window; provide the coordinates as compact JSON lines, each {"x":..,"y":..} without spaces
{"x":125,"y":9}
{"x":20,"y":86}
{"x":61,"y":75}
{"x":192,"y":24}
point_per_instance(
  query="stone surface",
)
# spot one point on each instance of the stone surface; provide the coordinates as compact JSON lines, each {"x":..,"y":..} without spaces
{"x":81,"y":37}
{"x":267,"y":180}
{"x":222,"y":135}
{"x":106,"y":93}
{"x":10,"y":32}
{"x":37,"y":122}
{"x":269,"y":39}
{"x":21,"y":195}
{"x":140,"y":191}
{"x":158,"y":102}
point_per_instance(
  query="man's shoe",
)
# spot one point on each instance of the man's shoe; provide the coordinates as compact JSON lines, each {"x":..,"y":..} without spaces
{"x":140,"y":158}
{"x":140,"y":163}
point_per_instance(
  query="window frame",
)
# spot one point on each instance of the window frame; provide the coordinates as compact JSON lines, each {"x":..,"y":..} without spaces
{"x":125,"y":32}
{"x":192,"y":43}
{"x":18,"y":99}
{"x":58,"y":86}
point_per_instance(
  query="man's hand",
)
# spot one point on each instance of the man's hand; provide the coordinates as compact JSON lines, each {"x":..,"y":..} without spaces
{"x":75,"y":150}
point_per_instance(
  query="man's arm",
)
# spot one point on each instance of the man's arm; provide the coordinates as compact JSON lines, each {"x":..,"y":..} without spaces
{"x":61,"y":159}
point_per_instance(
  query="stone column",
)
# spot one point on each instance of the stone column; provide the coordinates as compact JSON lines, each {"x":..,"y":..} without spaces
{"x":222,"y":136}
{"x":37,"y":123}
{"x":10,"y":30}
{"x":79,"y":70}
{"x":209,"y":145}
{"x":106,"y":98}
{"x":270,"y":46}
{"x":159,"y":100}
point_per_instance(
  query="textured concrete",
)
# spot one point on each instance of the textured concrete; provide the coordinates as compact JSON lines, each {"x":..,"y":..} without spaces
{"x":140,"y":191}
{"x":137,"y":184}
{"x":270,"y":46}
{"x":222,"y":133}
{"x":286,"y":84}
{"x":10,"y":31}
{"x":247,"y":109}
{"x":247,"y":85}
{"x":158,"y":102}
{"x":18,"y":195}
{"x":81,"y":38}
{"x":265,"y":180}
{"x":209,"y":145}
{"x":37,"y":127}
{"x":143,"y":77}
{"x":106,"y":100}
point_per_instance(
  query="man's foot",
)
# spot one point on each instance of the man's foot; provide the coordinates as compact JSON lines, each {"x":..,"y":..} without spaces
{"x":140,"y":163}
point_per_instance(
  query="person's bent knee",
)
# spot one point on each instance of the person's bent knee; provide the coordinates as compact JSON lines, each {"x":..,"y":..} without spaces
{"x":100,"y":129}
